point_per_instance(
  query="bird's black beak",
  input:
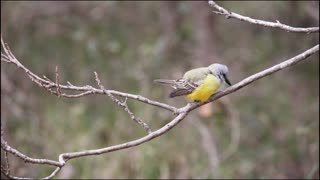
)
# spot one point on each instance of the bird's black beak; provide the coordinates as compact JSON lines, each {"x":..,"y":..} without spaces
{"x":226,"y":80}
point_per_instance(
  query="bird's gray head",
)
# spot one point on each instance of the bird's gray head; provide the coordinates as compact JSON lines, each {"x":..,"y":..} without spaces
{"x":220,"y":71}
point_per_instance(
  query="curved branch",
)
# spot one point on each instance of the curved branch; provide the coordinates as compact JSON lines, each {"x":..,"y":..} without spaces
{"x":277,"y":24}
{"x":7,"y":148}
{"x":144,"y":139}
{"x":181,"y":112}
{"x":254,"y":77}
{"x":46,"y":83}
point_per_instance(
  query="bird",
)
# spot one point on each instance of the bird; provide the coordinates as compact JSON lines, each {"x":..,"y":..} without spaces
{"x":199,"y":84}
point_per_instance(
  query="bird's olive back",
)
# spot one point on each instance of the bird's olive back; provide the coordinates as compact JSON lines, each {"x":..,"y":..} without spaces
{"x":196,"y":74}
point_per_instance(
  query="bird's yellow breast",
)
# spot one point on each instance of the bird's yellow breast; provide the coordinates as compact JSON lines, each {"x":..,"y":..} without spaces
{"x":209,"y":86}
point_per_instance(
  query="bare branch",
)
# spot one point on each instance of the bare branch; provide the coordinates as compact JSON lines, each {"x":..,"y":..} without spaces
{"x":98,"y":81}
{"x":77,"y":95}
{"x":7,"y":162}
{"x":254,"y":77}
{"x":48,"y":84}
{"x":54,"y":173}
{"x":57,"y":82}
{"x":6,"y":171}
{"x":144,"y":139}
{"x":14,"y":177}
{"x":277,"y":24}
{"x":136,"y":119}
{"x":124,"y":105}
{"x":7,"y":148}
{"x":181,"y":112}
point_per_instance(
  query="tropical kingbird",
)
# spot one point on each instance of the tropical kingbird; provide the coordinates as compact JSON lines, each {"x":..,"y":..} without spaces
{"x":199,"y":84}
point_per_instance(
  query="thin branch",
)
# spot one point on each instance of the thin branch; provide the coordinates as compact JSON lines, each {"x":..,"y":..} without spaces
{"x":54,"y":173}
{"x":15,"y":177}
{"x":7,"y":162}
{"x":277,"y":24}
{"x":57,"y":82}
{"x":6,"y":171}
{"x":7,"y":148}
{"x":76,"y":95}
{"x":49,"y":84}
{"x":144,"y":139}
{"x":181,"y":112}
{"x":136,"y":119}
{"x":124,"y":105}
{"x":254,"y":77}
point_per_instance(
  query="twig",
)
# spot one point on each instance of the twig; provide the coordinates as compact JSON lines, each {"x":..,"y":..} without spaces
{"x":124,"y":105}
{"x":57,"y":82}
{"x":133,"y":117}
{"x":277,"y":24}
{"x":7,"y":162}
{"x":6,"y":171}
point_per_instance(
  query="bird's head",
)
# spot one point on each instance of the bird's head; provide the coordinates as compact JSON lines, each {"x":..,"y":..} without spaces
{"x":220,"y":71}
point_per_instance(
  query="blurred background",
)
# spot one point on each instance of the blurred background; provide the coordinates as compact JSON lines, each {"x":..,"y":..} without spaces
{"x":269,"y":129}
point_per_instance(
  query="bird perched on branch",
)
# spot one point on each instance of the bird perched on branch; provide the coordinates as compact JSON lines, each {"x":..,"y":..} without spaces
{"x":199,"y":84}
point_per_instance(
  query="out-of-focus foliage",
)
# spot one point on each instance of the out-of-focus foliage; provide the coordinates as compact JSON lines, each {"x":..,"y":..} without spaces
{"x":131,"y":43}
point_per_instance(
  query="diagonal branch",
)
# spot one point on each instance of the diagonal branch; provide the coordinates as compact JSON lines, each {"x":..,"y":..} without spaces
{"x":181,"y":112}
{"x":277,"y":24}
{"x":137,"y":142}
{"x":290,"y":62}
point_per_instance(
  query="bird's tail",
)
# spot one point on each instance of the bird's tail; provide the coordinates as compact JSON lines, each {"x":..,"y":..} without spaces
{"x":165,"y":81}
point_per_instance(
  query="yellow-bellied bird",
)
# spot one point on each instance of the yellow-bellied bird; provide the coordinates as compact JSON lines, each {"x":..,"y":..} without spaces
{"x":199,"y":84}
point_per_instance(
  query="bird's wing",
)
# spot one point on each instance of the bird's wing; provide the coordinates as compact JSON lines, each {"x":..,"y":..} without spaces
{"x":186,"y":85}
{"x":183,"y":87}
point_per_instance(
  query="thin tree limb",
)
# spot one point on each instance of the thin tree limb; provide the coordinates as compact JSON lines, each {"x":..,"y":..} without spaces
{"x":54,"y":173}
{"x":49,"y":84}
{"x":7,"y":148}
{"x":181,"y":113}
{"x":144,"y":139}
{"x":57,"y":82}
{"x":254,"y":77}
{"x":124,"y":105}
{"x":277,"y":24}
